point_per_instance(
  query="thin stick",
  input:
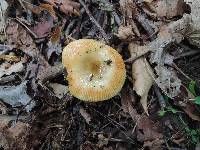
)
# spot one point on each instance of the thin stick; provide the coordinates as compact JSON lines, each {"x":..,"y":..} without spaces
{"x":18,"y":20}
{"x":178,"y":69}
{"x":95,"y":22}
{"x":190,"y":53}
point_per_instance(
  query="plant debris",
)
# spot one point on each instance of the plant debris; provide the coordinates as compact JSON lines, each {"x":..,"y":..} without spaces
{"x":158,"y":105}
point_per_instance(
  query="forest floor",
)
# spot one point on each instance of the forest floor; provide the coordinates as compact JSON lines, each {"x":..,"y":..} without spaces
{"x":158,"y":36}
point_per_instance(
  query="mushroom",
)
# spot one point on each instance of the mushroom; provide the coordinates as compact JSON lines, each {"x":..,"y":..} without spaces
{"x":96,"y":71}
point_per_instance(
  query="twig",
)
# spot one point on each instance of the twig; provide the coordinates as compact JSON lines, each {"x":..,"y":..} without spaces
{"x":178,"y":69}
{"x":104,"y":35}
{"x":190,"y":53}
{"x":32,"y":33}
{"x":20,"y":1}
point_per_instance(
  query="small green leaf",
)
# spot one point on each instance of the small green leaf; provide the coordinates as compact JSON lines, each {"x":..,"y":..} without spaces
{"x":166,"y":98}
{"x":191,"y":87}
{"x":161,"y":113}
{"x":171,"y":109}
{"x":193,"y":132}
{"x":197,"y":100}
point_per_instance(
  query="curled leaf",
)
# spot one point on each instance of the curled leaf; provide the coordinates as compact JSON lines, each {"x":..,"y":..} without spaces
{"x":16,"y":95}
{"x":142,"y":74}
{"x":6,"y":69}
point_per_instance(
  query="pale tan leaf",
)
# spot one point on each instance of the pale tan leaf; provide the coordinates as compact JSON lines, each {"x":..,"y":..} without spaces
{"x":137,"y":51}
{"x":142,"y":74}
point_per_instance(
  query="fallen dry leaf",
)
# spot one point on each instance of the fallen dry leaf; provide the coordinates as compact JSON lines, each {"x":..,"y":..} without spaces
{"x":43,"y":28}
{"x":137,"y":51}
{"x":16,"y":95}
{"x":8,"y":69}
{"x":66,"y":6}
{"x":168,"y":81}
{"x":147,"y":130}
{"x":143,"y":80}
{"x":18,"y":37}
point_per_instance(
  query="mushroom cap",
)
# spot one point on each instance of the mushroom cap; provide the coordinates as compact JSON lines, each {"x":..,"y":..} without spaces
{"x":96,"y":71}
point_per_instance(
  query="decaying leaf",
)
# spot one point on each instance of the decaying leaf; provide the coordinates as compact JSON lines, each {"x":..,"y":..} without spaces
{"x":143,"y":79}
{"x":10,"y":137}
{"x":8,"y":69}
{"x":18,"y":37}
{"x":146,"y":129}
{"x":58,"y":89}
{"x":149,"y":130}
{"x":16,"y":96}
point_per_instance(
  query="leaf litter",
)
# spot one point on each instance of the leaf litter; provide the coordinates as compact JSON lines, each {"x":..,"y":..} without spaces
{"x":148,"y":34}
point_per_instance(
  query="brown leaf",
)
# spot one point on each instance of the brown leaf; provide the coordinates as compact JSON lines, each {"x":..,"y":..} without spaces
{"x":18,"y":37}
{"x":66,"y":6}
{"x":147,"y":130}
{"x":50,"y":9}
{"x":43,"y":28}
